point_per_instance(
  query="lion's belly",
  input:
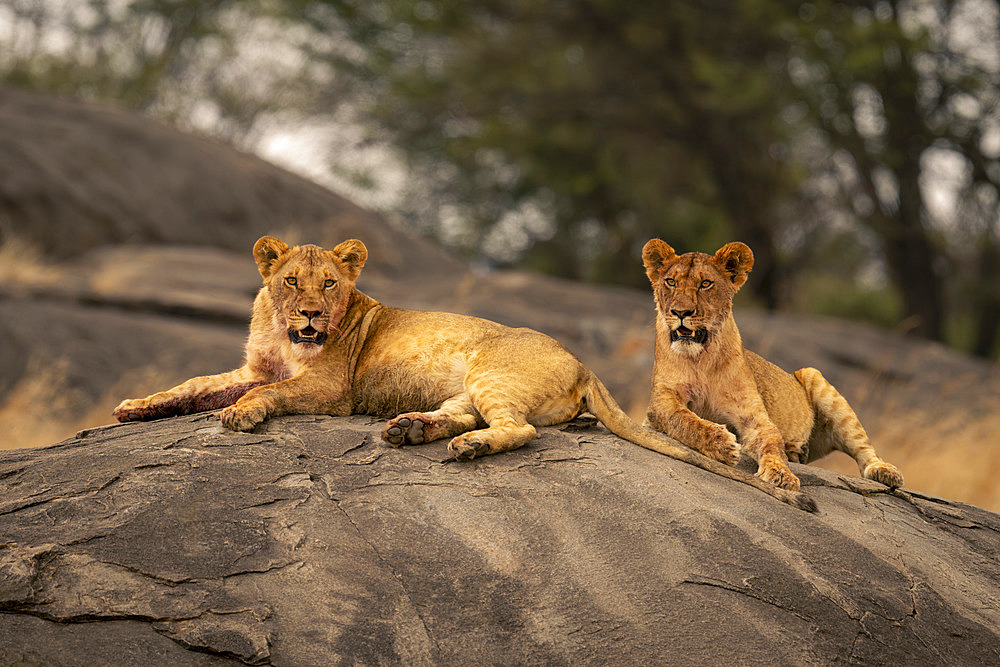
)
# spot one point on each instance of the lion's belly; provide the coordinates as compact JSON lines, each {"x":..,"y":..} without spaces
{"x":414,"y":361}
{"x":409,"y":383}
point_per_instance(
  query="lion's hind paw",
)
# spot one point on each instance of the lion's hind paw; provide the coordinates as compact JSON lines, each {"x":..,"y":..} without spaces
{"x":464,"y":447}
{"x":797,"y":451}
{"x":404,"y":430}
{"x":138,"y":410}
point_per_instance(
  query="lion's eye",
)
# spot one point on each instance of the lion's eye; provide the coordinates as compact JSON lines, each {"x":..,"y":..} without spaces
{"x":329,"y":282}
{"x":670,"y":282}
{"x":705,"y":284}
{"x":291,"y":280}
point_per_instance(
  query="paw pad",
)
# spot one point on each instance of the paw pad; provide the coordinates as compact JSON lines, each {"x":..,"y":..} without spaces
{"x":404,"y":431}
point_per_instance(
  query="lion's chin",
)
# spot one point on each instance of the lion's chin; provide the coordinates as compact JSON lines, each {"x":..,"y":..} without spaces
{"x":688,"y":342}
{"x":686,"y":348}
{"x":307,"y":336}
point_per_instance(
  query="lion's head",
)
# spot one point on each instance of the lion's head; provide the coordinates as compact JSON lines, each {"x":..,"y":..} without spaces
{"x":310,"y":287}
{"x":694,"y":291}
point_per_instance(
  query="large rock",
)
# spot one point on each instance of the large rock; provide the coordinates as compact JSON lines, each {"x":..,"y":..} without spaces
{"x":310,"y":543}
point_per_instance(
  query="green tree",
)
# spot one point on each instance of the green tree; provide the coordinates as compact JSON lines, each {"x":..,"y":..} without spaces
{"x":618,"y":120}
{"x":562,"y":135}
{"x":893,"y":86}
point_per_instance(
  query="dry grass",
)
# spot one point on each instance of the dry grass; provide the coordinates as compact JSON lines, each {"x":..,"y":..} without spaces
{"x":943,"y":433}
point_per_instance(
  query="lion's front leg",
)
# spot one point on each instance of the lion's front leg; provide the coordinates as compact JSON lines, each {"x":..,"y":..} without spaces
{"x":763,"y":441}
{"x":207,"y":392}
{"x":668,"y":415}
{"x":309,"y":393}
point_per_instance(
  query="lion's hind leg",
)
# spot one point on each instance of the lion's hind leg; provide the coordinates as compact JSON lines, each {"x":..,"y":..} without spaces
{"x":838,"y":427}
{"x":455,"y":416}
{"x":502,"y":434}
{"x":507,"y":394}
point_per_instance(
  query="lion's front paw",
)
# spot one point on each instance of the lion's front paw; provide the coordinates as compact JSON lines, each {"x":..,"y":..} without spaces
{"x":405,"y":429}
{"x":777,"y":473}
{"x":243,"y":416}
{"x":468,"y":447}
{"x":132,"y":410}
{"x":721,"y":445}
{"x":883,"y":472}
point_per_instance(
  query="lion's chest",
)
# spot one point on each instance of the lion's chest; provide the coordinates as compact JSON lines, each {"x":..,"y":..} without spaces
{"x":280,"y":362}
{"x":708,"y":402}
{"x":722,"y":395}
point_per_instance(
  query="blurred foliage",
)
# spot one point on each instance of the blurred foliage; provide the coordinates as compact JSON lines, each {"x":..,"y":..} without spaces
{"x":853,"y":145}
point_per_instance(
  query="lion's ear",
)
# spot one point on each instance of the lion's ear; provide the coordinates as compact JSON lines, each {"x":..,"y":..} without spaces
{"x":266,"y":251}
{"x":352,"y":254}
{"x":656,"y":256}
{"x":735,"y":260}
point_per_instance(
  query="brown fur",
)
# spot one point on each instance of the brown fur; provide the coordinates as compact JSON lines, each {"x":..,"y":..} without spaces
{"x":481,"y":384}
{"x":706,"y":386}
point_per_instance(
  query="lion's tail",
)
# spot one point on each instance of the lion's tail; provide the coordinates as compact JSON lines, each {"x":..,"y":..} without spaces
{"x":603,"y":406}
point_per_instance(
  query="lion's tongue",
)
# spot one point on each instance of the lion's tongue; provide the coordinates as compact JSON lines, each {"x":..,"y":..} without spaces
{"x":684,"y":331}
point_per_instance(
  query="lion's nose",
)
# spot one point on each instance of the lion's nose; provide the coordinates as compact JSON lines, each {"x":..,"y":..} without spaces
{"x":309,"y":314}
{"x":682,"y":313}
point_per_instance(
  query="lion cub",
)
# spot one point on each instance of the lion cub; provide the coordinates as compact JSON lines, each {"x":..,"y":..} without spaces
{"x":705,"y":381}
{"x":319,"y":346}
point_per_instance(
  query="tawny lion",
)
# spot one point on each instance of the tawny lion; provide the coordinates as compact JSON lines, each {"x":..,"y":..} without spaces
{"x":319,"y":346}
{"x":705,"y":381}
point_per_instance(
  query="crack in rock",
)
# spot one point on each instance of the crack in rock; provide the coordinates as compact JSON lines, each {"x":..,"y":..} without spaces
{"x":84,"y":493}
{"x":236,"y":634}
{"x":388,"y":565}
{"x":744,"y":590}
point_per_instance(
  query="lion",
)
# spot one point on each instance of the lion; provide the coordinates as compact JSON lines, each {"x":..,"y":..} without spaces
{"x":318,"y":345}
{"x":707,"y":389}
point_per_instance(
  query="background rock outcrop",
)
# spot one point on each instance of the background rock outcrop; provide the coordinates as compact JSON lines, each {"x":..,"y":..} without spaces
{"x":310,"y":542}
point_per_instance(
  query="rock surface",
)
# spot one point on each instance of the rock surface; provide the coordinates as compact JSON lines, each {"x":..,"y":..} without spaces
{"x":308,"y":542}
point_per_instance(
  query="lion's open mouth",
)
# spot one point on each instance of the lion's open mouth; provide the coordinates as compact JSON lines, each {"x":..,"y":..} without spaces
{"x":692,"y":336}
{"x":307,"y":335}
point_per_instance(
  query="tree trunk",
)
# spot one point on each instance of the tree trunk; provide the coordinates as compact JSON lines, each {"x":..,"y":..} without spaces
{"x":987,"y":302}
{"x":911,"y":258}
